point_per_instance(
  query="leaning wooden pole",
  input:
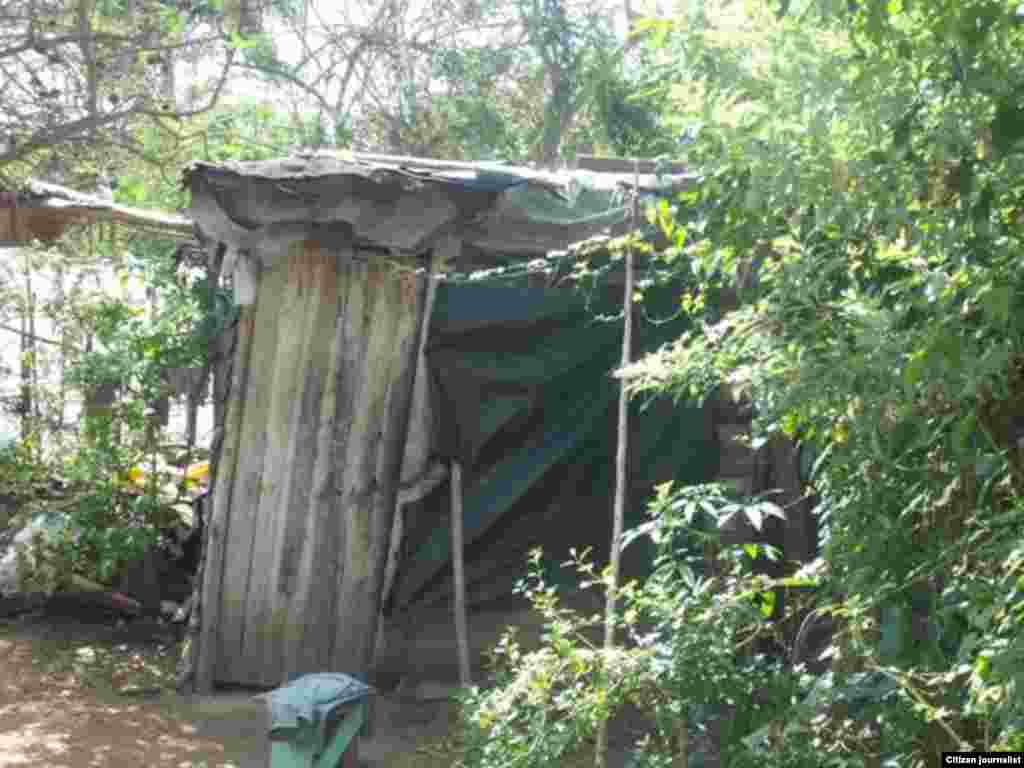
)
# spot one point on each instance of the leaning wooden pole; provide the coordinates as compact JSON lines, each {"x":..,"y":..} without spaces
{"x":458,"y":566}
{"x":621,"y":455}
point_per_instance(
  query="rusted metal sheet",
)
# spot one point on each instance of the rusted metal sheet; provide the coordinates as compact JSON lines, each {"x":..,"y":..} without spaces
{"x":43,"y":211}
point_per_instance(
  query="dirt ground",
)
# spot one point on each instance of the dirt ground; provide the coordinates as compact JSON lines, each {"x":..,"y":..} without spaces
{"x":75,"y":695}
{"x":94,"y":695}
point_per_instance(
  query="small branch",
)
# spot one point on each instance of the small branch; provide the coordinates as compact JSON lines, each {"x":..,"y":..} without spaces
{"x":33,"y":337}
{"x":66,"y":132}
{"x":86,"y":44}
{"x":292,"y":79}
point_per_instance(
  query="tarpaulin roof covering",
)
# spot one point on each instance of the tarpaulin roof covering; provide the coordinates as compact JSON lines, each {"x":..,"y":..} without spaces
{"x":406,"y":203}
{"x":523,"y":376}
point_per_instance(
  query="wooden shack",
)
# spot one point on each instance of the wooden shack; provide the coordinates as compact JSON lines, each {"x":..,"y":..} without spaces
{"x":330,"y":425}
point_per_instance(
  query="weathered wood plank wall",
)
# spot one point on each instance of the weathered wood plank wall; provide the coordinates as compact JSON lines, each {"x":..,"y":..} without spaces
{"x":308,"y":509}
{"x":381,"y":349}
{"x":220,"y":517}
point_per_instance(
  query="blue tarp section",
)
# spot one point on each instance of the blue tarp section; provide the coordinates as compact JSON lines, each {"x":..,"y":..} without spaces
{"x":523,"y":386}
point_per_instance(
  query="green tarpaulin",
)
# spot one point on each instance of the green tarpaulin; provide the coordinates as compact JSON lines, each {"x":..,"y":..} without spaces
{"x":524,"y":392}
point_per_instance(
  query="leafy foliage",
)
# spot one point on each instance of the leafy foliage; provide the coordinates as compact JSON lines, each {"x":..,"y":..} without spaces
{"x":860,"y":195}
{"x":546,"y":704}
{"x":112,"y":483}
{"x":862,"y":164}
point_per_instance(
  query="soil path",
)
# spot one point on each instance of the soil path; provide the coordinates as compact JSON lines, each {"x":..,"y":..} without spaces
{"x":90,"y":695}
{"x":67,"y":701}
{"x":75,"y":695}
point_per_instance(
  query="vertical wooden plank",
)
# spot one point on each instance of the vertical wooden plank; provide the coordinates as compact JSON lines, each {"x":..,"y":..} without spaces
{"x":220,"y":519}
{"x":420,"y":435}
{"x":379,"y":412}
{"x":368,"y":334}
{"x":412,"y":296}
{"x":248,"y":480}
{"x":265,"y":615}
{"x":352,"y":321}
{"x":313,"y":604}
{"x":312,"y":431}
{"x":308,"y":276}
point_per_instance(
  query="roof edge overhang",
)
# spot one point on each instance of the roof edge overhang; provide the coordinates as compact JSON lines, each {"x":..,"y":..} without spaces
{"x":44,"y":211}
{"x":395,"y":203}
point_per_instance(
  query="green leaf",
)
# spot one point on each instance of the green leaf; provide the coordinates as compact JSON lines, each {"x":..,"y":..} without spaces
{"x":659,"y":30}
{"x":794,"y":582}
{"x":240,"y":43}
{"x":982,"y":667}
{"x":914,"y":368}
{"x":997,"y":304}
{"x":963,"y":433}
{"x":1008,"y":125}
{"x":894,"y":625}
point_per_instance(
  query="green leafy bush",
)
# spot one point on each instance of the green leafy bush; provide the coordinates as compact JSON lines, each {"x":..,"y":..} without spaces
{"x":688,"y":665}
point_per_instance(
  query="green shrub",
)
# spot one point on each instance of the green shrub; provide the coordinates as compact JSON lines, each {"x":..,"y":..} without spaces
{"x":687,"y":664}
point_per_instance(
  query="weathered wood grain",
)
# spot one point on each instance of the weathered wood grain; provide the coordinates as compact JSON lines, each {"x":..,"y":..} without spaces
{"x":310,"y":485}
{"x":264,"y":615}
{"x":311,"y":495}
{"x":220,"y":519}
{"x":420,"y":473}
{"x":248,"y":480}
{"x":383,"y":354}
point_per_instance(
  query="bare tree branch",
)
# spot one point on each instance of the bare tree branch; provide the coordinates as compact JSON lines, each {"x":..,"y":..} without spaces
{"x":75,"y":75}
{"x":32,"y":336}
{"x":61,"y":134}
{"x":87,"y":43}
{"x":309,"y":90}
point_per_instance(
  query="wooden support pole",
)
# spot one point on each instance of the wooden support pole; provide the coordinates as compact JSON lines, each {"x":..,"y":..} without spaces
{"x":458,"y":565}
{"x":621,"y":455}
{"x":420,"y":471}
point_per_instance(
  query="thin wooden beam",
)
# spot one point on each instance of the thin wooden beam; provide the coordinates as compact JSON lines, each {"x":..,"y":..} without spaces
{"x":621,"y":456}
{"x":458,"y":565}
{"x":417,"y":452}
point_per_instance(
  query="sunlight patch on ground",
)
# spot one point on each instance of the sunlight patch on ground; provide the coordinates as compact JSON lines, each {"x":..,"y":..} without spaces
{"x":33,"y":744}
